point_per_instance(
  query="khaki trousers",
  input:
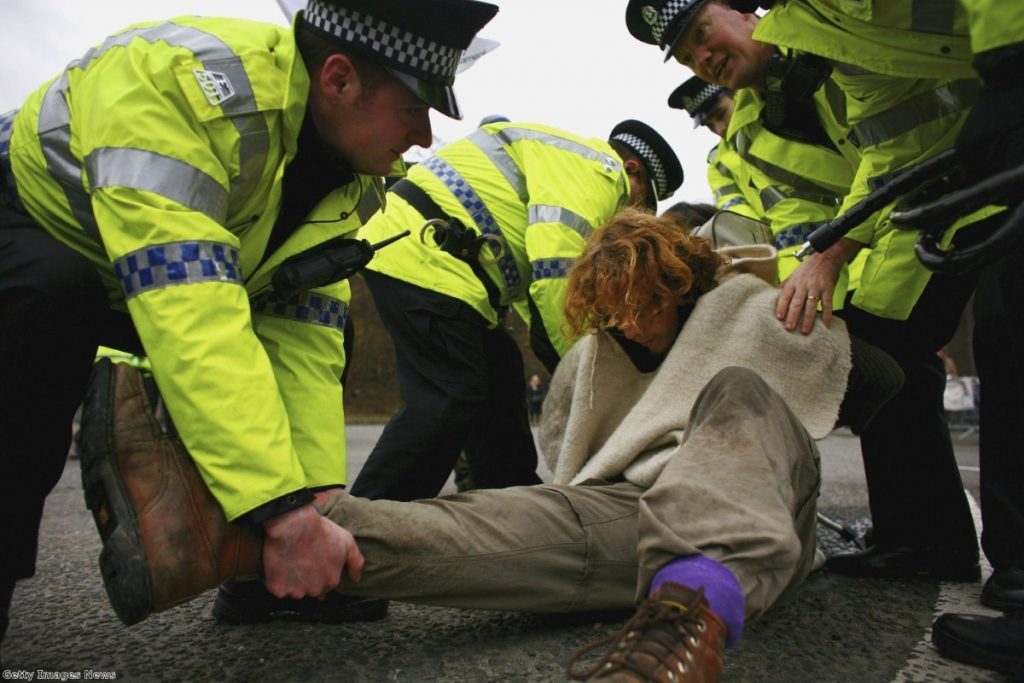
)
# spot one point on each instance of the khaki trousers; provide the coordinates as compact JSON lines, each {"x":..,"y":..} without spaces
{"x":742,"y":490}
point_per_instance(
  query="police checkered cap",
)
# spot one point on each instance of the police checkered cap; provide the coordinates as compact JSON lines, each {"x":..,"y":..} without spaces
{"x":661,"y":162}
{"x":395,"y":46}
{"x":707,"y":94}
{"x":697,"y":97}
{"x":660,"y":22}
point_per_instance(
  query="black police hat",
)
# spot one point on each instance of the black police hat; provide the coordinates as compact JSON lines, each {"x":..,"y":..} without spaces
{"x":419,"y":42}
{"x":697,"y":98}
{"x":661,"y":22}
{"x":662,"y":164}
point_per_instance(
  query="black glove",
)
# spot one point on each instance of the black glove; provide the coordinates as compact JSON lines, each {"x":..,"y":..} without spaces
{"x":992,"y":138}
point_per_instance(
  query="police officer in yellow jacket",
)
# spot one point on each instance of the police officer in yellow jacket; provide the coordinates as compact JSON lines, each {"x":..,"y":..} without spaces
{"x":150,"y":191}
{"x":519,"y":200}
{"x":793,"y":186}
{"x":711,"y":106}
{"x":922,"y":522}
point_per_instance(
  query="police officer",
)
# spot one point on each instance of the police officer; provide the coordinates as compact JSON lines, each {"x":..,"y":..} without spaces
{"x":151,"y":190}
{"x":519,"y":201}
{"x":922,"y":522}
{"x":791,"y":185}
{"x":711,"y":105}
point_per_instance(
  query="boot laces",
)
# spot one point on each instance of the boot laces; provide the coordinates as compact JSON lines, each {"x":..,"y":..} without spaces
{"x":657,"y":629}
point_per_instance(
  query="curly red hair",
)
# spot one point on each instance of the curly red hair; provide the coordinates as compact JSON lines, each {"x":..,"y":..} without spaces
{"x":635,"y":260}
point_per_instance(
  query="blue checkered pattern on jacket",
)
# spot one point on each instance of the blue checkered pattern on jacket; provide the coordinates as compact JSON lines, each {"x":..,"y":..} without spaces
{"x":304,"y":307}
{"x":478,"y":211}
{"x":177,"y":263}
{"x":794,"y":234}
{"x":547,"y":268}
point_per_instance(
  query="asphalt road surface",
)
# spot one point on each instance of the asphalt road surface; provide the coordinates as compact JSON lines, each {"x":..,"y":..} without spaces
{"x":834,"y":628}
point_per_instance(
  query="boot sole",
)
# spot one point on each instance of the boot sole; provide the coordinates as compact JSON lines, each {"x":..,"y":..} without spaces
{"x":123,"y":562}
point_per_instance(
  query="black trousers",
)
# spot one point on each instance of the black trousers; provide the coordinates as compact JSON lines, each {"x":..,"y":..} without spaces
{"x":999,"y":357}
{"x":53,"y":313}
{"x":463,"y":388}
{"x":915,"y":491}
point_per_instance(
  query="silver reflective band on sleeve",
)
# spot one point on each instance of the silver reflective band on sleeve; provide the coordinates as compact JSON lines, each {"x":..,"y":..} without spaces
{"x":55,"y":118}
{"x":770,"y":196}
{"x":726,"y":190}
{"x":916,"y":111}
{"x":548,"y":268}
{"x":543,"y":213}
{"x":777,"y":173}
{"x":731,"y":203}
{"x":304,"y":307}
{"x":151,"y":172}
{"x":478,"y":212}
{"x":933,"y":16}
{"x":177,"y":263}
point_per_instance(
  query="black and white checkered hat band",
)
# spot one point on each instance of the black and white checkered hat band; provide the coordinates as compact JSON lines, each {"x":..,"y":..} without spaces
{"x":405,"y":50}
{"x":706,"y":93}
{"x":660,"y":21}
{"x":651,"y":160}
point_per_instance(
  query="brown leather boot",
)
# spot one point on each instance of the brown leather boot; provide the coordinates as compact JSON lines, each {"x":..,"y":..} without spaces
{"x":673,"y":637}
{"x":165,"y":537}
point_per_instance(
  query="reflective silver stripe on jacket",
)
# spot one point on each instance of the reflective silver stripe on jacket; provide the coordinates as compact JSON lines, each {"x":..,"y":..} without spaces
{"x":724,"y":190}
{"x":304,"y":307}
{"x":55,"y":119}
{"x":916,"y":111}
{"x":478,"y":211}
{"x":548,"y":268}
{"x":544,"y":213}
{"x":731,"y":203}
{"x":932,"y":16}
{"x":141,"y":170}
{"x":177,"y":263}
{"x":770,"y":196}
{"x":777,"y":173}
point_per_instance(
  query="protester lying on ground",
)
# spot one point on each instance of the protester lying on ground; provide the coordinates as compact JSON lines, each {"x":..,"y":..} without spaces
{"x":682,"y":445}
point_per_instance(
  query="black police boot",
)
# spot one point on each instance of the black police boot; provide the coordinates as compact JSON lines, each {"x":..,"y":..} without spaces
{"x":1004,"y":590}
{"x":995,"y":643}
{"x":249,"y":602}
{"x":906,"y":563}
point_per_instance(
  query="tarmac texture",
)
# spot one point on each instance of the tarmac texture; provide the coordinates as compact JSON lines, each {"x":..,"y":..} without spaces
{"x":833,"y":629}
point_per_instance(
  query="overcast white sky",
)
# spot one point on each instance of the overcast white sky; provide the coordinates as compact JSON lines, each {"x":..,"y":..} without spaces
{"x":566,"y":63}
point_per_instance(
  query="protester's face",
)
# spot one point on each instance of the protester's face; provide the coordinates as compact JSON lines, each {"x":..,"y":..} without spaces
{"x":718,"y":118}
{"x":372,"y":128}
{"x":718,"y":46}
{"x":656,"y":326}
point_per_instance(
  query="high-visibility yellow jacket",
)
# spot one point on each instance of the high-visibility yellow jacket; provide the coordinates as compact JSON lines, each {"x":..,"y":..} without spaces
{"x":894,"y":118}
{"x":797,"y":185}
{"x":994,"y":23}
{"x":537,"y":190}
{"x":159,"y":155}
{"x":727,"y":182}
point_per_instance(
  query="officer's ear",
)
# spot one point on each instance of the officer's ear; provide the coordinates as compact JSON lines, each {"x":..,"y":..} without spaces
{"x":339,"y":78}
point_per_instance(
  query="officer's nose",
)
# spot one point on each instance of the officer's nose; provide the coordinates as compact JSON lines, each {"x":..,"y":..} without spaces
{"x":421,"y":133}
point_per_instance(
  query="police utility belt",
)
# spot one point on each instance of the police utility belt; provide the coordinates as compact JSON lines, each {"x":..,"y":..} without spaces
{"x":452,"y":237}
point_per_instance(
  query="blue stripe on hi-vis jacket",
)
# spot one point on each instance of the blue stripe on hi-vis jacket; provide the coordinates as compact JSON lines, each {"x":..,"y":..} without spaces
{"x":478,"y":211}
{"x":177,"y":263}
{"x":303,"y":307}
{"x":794,"y":235}
{"x":547,"y":268}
